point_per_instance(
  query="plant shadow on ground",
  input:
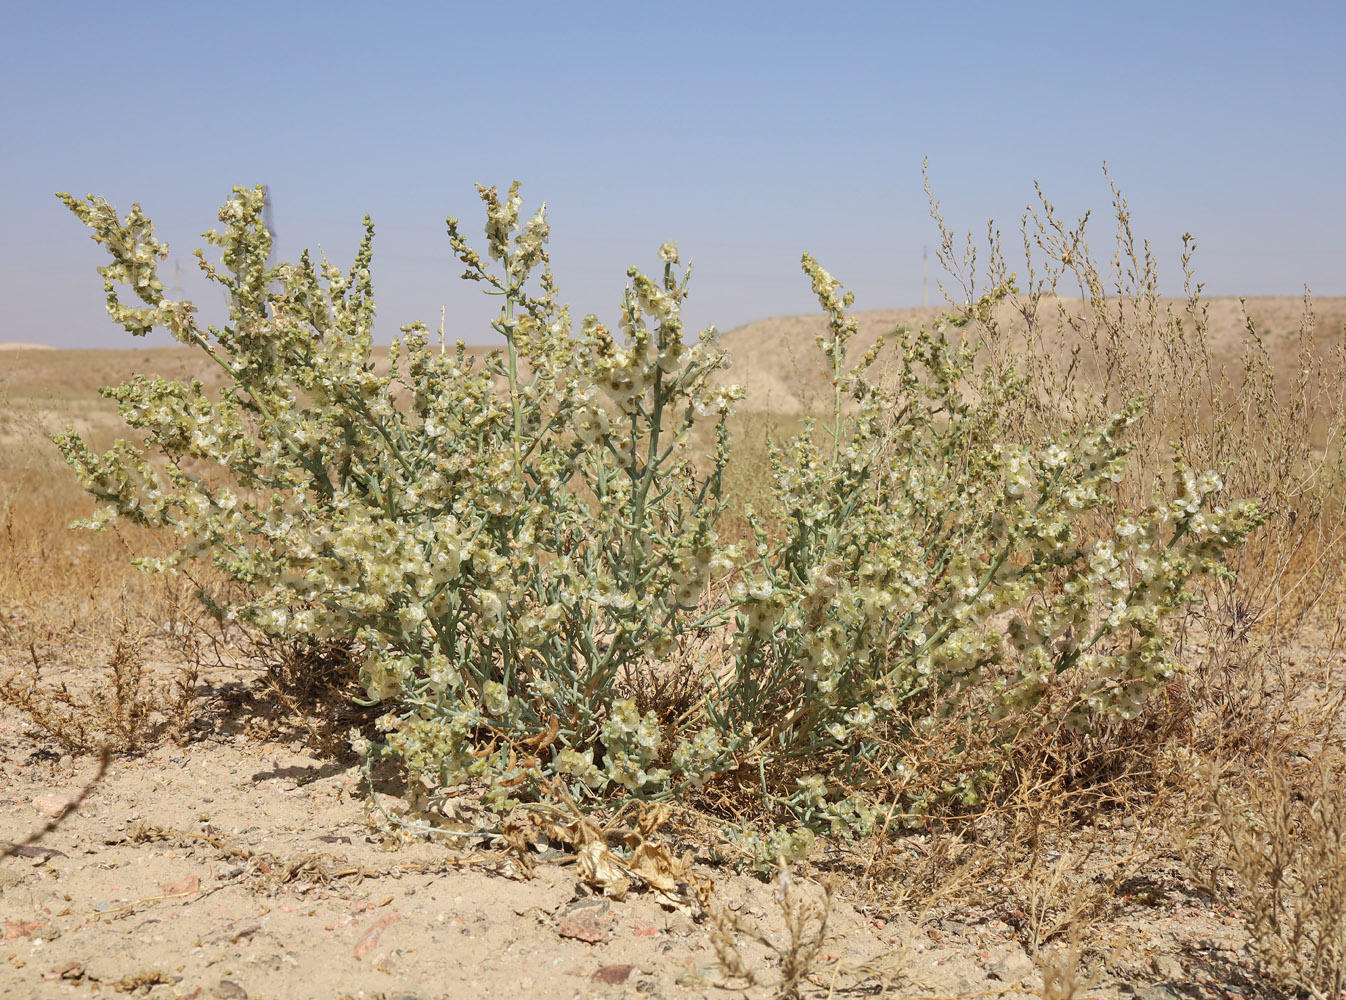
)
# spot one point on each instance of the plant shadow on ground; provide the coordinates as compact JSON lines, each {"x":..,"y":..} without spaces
{"x":265,"y":709}
{"x":1223,"y":975}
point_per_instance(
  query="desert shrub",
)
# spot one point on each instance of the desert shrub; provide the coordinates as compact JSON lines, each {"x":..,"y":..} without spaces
{"x":919,"y":534}
{"x":508,"y":545}
{"x":502,"y":541}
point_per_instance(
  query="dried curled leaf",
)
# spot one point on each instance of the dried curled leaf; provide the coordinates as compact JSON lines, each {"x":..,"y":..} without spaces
{"x":648,"y":867}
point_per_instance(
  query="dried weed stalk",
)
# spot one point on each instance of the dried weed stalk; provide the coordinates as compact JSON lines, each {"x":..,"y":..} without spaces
{"x":1280,"y":861}
{"x":805,"y":922}
{"x":126,"y":714}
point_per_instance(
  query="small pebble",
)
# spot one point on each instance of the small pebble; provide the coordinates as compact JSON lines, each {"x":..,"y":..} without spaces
{"x":53,"y":805}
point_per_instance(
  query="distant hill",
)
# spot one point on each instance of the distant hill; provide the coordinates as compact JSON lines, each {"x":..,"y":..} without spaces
{"x":775,"y":358}
{"x":779,"y":363}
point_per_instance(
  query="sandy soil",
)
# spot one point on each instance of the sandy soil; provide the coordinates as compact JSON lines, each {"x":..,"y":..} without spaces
{"x":233,"y":868}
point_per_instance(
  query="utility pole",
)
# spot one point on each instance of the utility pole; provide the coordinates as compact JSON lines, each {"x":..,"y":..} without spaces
{"x":268,"y":220}
{"x":269,"y":225}
{"x":925,"y":278}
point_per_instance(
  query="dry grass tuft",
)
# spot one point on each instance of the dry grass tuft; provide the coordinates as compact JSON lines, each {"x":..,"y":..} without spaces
{"x":794,"y":957}
{"x":1278,"y":857}
{"x":124,"y":714}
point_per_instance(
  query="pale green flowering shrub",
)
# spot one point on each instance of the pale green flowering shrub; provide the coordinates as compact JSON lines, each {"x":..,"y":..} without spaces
{"x":922,"y":553}
{"x":503,"y":543}
{"x":502,"y":540}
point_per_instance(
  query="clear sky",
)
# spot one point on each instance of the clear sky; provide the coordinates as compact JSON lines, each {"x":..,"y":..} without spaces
{"x":747,"y":132}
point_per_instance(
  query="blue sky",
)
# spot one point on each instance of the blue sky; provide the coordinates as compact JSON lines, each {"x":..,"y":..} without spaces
{"x":747,"y":132}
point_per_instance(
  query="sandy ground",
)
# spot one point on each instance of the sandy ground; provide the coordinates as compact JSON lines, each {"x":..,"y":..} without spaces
{"x":235,"y":868}
{"x":172,"y":875}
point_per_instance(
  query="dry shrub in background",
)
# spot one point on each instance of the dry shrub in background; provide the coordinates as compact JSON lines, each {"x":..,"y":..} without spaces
{"x":1086,"y":335}
{"x":1280,"y":861}
{"x":129,"y":710}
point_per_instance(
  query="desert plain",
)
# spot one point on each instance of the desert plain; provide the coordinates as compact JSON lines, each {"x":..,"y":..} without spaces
{"x":231,"y":847}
